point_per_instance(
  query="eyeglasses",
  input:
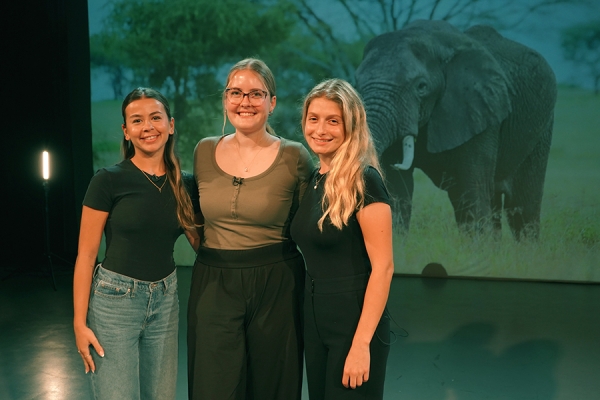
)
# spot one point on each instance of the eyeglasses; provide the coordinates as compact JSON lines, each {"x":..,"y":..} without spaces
{"x":236,"y":96}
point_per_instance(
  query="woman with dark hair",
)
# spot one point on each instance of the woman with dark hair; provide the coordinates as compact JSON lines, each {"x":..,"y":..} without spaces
{"x":344,"y":230}
{"x":127,"y":308}
{"x":244,"y":313}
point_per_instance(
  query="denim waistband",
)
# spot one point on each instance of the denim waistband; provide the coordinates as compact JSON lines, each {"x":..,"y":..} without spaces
{"x":337,"y":285}
{"x":135,"y":284}
{"x":247,"y":258}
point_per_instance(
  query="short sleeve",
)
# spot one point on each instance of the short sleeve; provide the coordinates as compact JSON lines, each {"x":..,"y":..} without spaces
{"x":305,"y":170}
{"x":375,"y":190}
{"x":99,"y":192}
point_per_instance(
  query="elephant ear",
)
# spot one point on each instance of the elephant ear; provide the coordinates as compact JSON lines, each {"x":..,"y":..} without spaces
{"x":475,"y":98}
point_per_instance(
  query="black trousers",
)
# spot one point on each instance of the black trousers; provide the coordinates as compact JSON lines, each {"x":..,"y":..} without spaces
{"x":245,"y":324}
{"x":332,"y":309}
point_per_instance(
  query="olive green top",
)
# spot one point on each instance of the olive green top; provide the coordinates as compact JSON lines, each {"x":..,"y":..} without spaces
{"x":245,"y":213}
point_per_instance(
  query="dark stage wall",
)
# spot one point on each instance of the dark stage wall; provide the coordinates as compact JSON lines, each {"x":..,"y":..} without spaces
{"x":49,"y":109}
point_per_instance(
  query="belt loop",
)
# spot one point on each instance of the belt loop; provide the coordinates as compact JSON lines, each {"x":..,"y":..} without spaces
{"x":96,"y":269}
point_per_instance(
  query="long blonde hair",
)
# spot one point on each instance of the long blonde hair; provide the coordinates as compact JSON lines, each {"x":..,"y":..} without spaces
{"x":266,"y":76}
{"x":344,"y":188}
{"x":185,"y":211}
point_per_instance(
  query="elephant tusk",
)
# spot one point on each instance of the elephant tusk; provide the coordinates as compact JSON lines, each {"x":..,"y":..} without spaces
{"x":408,"y":144}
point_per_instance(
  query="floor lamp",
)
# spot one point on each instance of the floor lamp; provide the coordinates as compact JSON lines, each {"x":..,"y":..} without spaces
{"x":46,"y":176}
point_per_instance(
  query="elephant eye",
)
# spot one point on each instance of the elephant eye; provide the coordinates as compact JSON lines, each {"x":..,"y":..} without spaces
{"x":422,"y":87}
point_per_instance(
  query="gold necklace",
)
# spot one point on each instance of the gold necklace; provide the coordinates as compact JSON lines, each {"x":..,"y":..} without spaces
{"x":319,"y":179}
{"x":246,"y":167}
{"x":152,"y":182}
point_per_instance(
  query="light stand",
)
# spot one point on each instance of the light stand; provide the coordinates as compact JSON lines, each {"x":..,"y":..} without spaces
{"x":48,"y":253}
{"x":46,"y":176}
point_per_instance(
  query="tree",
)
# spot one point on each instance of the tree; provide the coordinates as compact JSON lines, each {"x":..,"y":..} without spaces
{"x":338,"y":48}
{"x":174,"y":42}
{"x":184,"y":46}
{"x":327,"y":38}
{"x":581,"y":45}
{"x":181,"y":46}
{"x":106,"y":55}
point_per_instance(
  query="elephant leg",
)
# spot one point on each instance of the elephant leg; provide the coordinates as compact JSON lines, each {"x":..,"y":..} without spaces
{"x":471,"y":182}
{"x":472,"y":207}
{"x":497,"y":215}
{"x":523,"y":203}
{"x":401,"y":187}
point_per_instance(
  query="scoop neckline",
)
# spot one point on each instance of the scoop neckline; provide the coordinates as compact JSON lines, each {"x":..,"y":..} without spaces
{"x":265,"y":172}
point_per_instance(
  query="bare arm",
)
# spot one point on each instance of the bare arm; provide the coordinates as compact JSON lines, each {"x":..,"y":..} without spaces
{"x":90,"y":234}
{"x":193,"y":237}
{"x":197,"y":235}
{"x":376,"y":224}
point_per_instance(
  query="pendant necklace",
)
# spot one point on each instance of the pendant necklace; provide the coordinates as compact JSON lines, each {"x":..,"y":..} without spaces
{"x":246,"y":167}
{"x":318,"y":179}
{"x":152,"y":182}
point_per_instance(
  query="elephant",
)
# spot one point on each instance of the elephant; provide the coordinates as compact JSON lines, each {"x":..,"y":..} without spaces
{"x":473,"y":110}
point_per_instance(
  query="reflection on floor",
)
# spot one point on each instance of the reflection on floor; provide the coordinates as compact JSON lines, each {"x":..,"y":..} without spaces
{"x":468,"y":340}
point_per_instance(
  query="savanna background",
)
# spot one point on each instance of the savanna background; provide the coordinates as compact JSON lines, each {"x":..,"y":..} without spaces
{"x":185,"y":48}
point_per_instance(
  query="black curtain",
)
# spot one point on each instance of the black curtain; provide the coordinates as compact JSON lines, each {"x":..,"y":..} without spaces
{"x":47,"y":75}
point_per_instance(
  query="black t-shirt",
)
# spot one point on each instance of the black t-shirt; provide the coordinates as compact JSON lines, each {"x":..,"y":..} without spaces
{"x":334,"y":253}
{"x":142,"y":224}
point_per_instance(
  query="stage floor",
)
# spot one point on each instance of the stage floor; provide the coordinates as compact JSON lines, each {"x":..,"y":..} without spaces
{"x":467,"y":340}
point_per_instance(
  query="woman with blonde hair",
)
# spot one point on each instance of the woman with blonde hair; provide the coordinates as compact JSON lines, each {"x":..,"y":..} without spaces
{"x":244,"y":313}
{"x":344,"y":230}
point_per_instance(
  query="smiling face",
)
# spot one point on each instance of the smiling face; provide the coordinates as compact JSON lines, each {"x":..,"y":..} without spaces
{"x":147,"y":126}
{"x":324,"y":129}
{"x":245,"y":117}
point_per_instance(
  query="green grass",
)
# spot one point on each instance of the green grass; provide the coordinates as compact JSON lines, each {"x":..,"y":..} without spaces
{"x":569,"y":245}
{"x":568,"y":249}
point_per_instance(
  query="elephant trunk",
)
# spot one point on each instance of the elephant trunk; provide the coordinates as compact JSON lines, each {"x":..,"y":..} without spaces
{"x":393,"y":115}
{"x":382,"y":115}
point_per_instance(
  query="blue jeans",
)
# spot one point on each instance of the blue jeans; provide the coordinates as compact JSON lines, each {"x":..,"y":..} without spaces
{"x":136,"y":323}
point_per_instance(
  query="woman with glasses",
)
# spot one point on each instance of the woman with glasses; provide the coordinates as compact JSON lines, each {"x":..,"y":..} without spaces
{"x":244,"y":312}
{"x":344,"y":229}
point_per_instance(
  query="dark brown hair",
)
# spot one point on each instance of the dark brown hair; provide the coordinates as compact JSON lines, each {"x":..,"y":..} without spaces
{"x":185,"y":212}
